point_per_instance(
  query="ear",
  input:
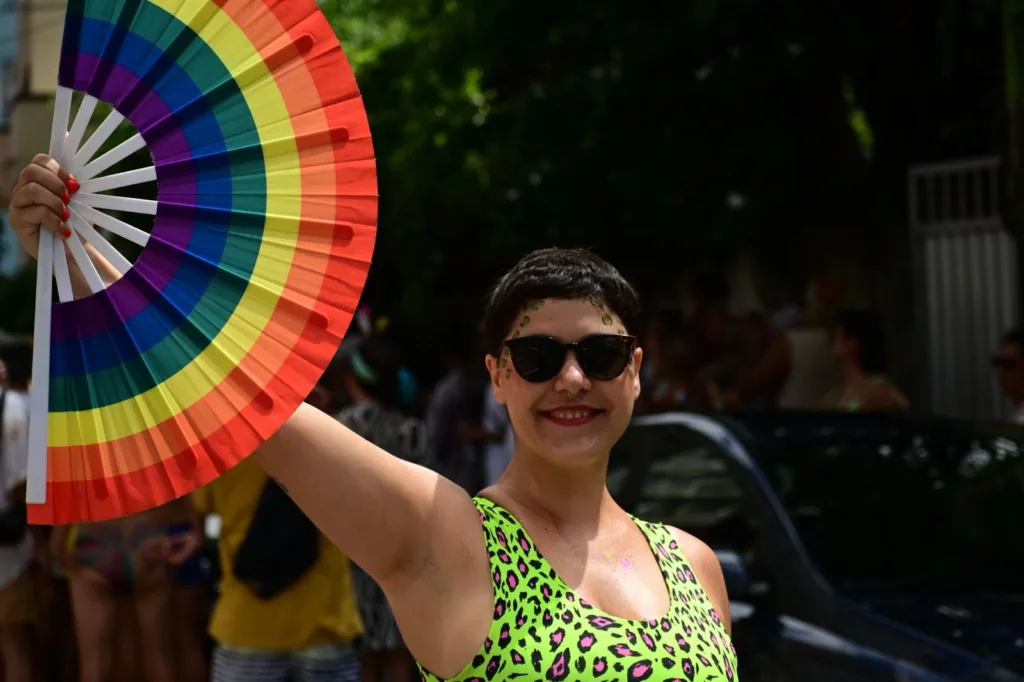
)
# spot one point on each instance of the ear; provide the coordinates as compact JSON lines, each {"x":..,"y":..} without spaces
{"x":495,"y":370}
{"x":638,"y":358}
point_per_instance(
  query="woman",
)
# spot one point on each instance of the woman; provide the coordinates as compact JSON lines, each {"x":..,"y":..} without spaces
{"x":542,"y":573}
{"x":858,"y":345}
{"x":373,"y":385}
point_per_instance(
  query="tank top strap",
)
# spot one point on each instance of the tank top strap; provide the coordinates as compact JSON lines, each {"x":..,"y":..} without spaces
{"x":675,"y":568}
{"x":511,"y":552}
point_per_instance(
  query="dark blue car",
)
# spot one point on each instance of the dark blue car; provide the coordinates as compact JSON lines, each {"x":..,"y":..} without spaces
{"x":856,"y":547}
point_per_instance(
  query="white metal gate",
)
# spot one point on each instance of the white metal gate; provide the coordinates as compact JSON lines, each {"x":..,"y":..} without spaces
{"x":965,"y":283}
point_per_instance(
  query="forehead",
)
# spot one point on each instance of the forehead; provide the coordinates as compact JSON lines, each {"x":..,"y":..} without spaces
{"x":567,"y":319}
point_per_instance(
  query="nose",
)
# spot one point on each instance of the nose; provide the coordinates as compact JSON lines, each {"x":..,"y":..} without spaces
{"x":572,"y":379}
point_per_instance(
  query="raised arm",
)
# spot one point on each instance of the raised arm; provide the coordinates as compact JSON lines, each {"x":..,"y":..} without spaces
{"x":391,"y":517}
{"x":394,"y":518}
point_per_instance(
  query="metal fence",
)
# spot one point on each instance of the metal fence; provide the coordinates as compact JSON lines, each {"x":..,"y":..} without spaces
{"x":965,"y":284}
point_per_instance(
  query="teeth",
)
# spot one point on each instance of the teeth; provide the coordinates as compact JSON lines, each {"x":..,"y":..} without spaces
{"x":570,"y":414}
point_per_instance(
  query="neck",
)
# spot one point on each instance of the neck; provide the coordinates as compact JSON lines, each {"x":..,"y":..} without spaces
{"x":571,"y":498}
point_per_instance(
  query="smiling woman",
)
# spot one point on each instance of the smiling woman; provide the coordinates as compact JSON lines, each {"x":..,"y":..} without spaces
{"x":542,"y":574}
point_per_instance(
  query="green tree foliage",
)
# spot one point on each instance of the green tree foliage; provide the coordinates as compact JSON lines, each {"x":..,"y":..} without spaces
{"x":662,"y":134}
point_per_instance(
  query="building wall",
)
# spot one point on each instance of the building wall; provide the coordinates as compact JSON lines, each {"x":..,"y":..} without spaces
{"x":30,"y":129}
{"x":42,"y":28}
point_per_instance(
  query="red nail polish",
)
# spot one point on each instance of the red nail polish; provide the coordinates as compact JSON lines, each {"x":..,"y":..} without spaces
{"x":73,"y":185}
{"x":67,"y":233}
{"x":66,"y":197}
{"x":65,"y":215}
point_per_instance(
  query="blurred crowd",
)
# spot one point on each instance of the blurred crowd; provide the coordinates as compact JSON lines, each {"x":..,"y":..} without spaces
{"x":234,"y":583}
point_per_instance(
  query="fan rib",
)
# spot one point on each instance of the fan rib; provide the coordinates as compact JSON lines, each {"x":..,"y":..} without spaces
{"x":62,"y":274}
{"x":59,"y":128}
{"x":118,"y":180}
{"x":99,"y":136}
{"x":106,"y":249}
{"x":39,"y":396}
{"x":118,"y":227}
{"x":84,"y":263}
{"x":111,"y":203}
{"x":82,"y":118}
{"x":121,"y":151}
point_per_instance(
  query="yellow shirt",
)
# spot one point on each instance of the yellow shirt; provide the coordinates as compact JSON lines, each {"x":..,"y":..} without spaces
{"x":319,"y":608}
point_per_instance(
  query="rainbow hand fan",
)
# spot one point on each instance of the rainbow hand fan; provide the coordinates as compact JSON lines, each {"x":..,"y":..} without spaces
{"x":262,"y":232}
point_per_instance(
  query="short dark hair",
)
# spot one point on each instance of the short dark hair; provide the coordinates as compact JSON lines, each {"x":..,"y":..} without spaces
{"x":566,"y":274}
{"x":866,"y":328}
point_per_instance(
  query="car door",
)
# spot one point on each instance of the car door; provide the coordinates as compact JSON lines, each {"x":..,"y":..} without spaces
{"x":696,"y":476}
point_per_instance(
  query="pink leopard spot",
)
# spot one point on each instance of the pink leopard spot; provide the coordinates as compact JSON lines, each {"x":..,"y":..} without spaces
{"x":621,"y":650}
{"x":640,"y":671}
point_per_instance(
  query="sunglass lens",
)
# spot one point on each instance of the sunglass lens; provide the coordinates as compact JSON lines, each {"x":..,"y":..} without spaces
{"x":537,"y":359}
{"x":605,"y":357}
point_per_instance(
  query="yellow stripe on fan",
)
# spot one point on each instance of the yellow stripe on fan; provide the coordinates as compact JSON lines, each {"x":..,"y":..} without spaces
{"x":273,"y":264}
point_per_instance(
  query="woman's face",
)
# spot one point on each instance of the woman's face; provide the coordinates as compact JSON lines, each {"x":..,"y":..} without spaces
{"x":571,"y":418}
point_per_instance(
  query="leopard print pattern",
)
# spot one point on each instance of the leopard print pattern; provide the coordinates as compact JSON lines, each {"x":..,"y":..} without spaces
{"x":543,"y":631}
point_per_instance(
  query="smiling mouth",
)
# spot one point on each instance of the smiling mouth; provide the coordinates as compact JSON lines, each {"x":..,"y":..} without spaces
{"x":571,"y":416}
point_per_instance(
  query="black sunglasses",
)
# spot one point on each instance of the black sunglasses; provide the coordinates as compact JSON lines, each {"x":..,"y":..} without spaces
{"x":601,"y":356}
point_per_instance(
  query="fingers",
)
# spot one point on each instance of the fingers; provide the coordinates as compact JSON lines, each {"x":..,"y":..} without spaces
{"x":50,"y":164}
{"x":46,"y":173}
{"x":45,"y":217}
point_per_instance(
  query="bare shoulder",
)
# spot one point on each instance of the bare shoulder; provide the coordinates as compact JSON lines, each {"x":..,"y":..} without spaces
{"x":708,"y":570}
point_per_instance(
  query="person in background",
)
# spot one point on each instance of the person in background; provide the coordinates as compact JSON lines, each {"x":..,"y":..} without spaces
{"x":122,"y":579}
{"x":190,"y":601}
{"x":308,"y":627}
{"x":798,"y":366}
{"x":496,"y":434}
{"x":858,"y":345}
{"x":373,"y":383}
{"x":453,"y":414}
{"x":19,"y":610}
{"x":1009,"y":365}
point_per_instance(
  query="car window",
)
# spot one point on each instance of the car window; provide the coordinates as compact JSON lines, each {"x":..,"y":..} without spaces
{"x":688,"y":485}
{"x":935,"y":511}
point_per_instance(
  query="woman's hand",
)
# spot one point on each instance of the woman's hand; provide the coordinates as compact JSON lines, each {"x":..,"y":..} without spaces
{"x":40,"y":199}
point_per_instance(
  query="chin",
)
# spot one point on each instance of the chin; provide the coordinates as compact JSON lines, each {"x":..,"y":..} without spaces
{"x":576,"y":450}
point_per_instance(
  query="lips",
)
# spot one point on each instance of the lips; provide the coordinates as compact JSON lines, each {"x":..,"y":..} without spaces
{"x":572,"y":415}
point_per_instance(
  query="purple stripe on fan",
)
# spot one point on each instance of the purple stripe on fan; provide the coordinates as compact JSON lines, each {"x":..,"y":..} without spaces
{"x":159,"y":261}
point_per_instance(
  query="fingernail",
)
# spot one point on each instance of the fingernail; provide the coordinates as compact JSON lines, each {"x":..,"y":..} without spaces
{"x":67,"y":197}
{"x":67,"y":233}
{"x":73,"y":185}
{"x":65,"y":215}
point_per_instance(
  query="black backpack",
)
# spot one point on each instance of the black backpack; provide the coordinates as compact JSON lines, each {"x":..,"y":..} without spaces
{"x":281,"y":545}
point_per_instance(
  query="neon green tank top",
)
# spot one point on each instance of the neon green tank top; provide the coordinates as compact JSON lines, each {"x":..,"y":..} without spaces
{"x":541,"y":630}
